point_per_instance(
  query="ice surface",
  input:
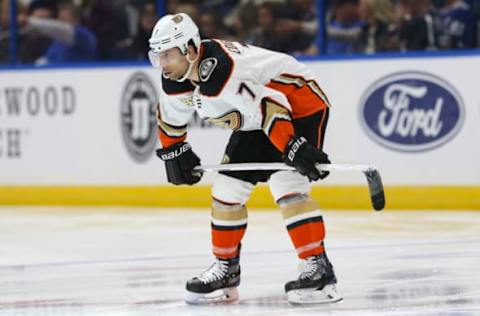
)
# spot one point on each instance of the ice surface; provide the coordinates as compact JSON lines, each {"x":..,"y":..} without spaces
{"x":134,"y":261}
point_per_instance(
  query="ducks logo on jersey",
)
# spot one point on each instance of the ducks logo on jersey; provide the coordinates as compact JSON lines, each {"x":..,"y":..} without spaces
{"x":206,"y":68}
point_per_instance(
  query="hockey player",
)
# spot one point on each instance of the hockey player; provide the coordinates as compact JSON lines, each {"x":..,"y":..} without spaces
{"x":277,"y":113}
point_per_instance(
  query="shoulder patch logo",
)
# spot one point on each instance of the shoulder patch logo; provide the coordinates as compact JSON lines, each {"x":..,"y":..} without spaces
{"x":206,"y":68}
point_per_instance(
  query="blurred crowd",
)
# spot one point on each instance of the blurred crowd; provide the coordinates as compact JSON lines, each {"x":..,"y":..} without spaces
{"x":117,"y":30}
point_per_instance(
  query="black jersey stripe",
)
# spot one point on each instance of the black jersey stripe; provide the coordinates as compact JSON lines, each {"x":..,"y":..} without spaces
{"x":222,"y":72}
{"x":172,"y":87}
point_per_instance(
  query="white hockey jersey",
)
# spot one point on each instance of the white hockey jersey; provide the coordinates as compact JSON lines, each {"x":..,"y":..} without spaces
{"x":242,"y":87}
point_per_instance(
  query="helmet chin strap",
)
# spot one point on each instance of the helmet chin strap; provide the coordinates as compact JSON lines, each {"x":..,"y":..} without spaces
{"x":189,"y":69}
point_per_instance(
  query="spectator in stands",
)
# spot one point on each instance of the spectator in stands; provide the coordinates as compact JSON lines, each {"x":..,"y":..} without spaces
{"x":147,"y":20}
{"x":80,"y":45}
{"x":188,"y":8}
{"x":265,"y":34}
{"x":243,"y":20}
{"x":33,"y":45}
{"x":417,"y":25}
{"x":222,"y":7}
{"x":298,"y":25}
{"x":4,"y":31}
{"x":176,"y":6}
{"x":344,"y":28}
{"x":72,"y":42}
{"x":211,"y":25}
{"x":4,"y":16}
{"x":108,"y":20}
{"x":457,"y":26}
{"x":379,"y":33}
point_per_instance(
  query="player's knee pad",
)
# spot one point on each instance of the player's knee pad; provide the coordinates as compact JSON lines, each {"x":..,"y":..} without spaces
{"x":287,"y":183}
{"x":291,"y":192}
{"x":228,"y":190}
{"x":229,"y":198}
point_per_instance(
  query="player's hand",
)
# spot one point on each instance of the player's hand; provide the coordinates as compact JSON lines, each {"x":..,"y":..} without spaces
{"x":303,"y":156}
{"x":179,"y":162}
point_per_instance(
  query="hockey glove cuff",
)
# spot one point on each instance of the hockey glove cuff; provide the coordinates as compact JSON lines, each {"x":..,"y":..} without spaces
{"x":303,"y":156}
{"x":179,"y":163}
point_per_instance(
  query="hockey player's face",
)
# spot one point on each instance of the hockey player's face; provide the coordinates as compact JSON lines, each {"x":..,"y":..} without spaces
{"x":173,"y":63}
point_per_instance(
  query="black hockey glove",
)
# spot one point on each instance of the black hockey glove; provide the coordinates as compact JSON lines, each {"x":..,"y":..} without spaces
{"x":179,"y":162}
{"x":303,"y":156}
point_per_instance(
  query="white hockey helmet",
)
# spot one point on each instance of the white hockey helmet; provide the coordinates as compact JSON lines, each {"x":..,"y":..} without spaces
{"x":172,"y":30}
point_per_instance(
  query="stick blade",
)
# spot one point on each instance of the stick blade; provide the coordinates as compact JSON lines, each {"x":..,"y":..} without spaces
{"x":375,"y":186}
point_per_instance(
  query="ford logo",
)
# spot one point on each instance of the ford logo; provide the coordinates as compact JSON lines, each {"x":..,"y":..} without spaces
{"x":411,"y":111}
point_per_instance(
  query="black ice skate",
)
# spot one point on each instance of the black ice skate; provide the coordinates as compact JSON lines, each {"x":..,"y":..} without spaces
{"x":218,"y":284}
{"x":315,"y":284}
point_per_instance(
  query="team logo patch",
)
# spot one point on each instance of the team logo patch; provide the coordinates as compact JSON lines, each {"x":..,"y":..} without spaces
{"x":206,"y":68}
{"x":187,"y":100}
{"x":177,"y":18}
{"x":225,"y":159}
{"x":231,"y":120}
{"x":411,"y":111}
{"x":138,"y":119}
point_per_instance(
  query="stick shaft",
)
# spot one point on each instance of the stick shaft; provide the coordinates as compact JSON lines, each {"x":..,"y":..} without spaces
{"x":375,"y":186}
{"x":279,"y":166}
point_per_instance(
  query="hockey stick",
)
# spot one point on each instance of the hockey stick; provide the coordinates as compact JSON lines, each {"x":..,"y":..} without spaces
{"x":375,"y":186}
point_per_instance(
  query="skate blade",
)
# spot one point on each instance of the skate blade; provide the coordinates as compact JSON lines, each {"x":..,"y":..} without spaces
{"x":222,"y":296}
{"x":328,"y":294}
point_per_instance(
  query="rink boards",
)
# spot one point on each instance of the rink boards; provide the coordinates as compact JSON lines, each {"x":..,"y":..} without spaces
{"x":86,"y":135}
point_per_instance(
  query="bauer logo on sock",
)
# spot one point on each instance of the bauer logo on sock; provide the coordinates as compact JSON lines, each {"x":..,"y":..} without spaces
{"x":411,"y":111}
{"x":139,"y":127}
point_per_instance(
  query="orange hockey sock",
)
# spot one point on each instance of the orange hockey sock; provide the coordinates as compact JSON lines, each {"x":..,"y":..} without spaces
{"x":305,"y":226}
{"x":229,"y":223}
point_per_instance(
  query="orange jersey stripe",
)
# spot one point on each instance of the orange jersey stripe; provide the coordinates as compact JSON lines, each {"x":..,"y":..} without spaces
{"x":312,"y":84}
{"x":280,"y":134}
{"x":168,"y":141}
{"x":303,"y":100}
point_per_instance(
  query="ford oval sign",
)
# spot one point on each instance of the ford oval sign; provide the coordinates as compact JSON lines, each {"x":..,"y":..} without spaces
{"x":411,"y":111}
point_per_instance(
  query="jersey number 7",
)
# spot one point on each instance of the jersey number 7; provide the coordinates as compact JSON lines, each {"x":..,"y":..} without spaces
{"x":244,"y":88}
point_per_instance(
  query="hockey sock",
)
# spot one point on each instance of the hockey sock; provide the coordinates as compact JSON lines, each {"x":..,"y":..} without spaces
{"x":305,"y":226}
{"x":229,"y":223}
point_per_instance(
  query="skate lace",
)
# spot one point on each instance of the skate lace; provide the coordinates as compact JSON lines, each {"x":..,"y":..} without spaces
{"x":216,"y":271}
{"x":309,"y":267}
